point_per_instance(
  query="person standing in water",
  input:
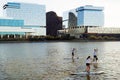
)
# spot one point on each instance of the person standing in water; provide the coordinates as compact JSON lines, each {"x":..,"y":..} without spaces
{"x":88,"y":63}
{"x":95,"y":58}
{"x":73,"y":53}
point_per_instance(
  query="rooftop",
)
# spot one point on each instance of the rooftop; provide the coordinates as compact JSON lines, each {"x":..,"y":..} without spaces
{"x":89,"y":7}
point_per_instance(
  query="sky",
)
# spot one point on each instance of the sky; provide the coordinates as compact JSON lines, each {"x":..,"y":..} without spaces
{"x":111,"y":7}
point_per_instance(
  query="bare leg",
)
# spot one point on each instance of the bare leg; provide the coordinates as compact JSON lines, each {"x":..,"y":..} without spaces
{"x":88,"y":68}
{"x":88,"y":77}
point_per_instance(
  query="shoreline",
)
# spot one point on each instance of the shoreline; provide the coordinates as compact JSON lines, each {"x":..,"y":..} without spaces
{"x":75,"y":40}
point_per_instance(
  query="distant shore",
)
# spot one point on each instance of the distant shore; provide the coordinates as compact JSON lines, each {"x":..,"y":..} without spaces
{"x":73,"y":40}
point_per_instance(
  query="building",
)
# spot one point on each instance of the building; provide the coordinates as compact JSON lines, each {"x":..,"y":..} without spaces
{"x":90,"y":21}
{"x":90,"y":16}
{"x":83,"y":16}
{"x":23,"y":18}
{"x":13,"y":28}
{"x":53,"y":23}
{"x":32,"y":14}
{"x":69,"y":18}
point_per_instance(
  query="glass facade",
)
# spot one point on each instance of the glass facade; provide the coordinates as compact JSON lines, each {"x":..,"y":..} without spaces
{"x":12,"y":33}
{"x":70,"y":18}
{"x":32,"y":14}
{"x":27,"y":19}
{"x":90,"y":16}
{"x":84,"y":16}
{"x":11,"y":22}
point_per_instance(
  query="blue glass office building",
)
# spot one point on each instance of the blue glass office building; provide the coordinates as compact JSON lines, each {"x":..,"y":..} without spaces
{"x":90,"y":16}
{"x":84,"y":16}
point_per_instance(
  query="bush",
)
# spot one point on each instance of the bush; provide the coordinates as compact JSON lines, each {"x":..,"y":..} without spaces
{"x":92,"y":37}
{"x":106,"y":37}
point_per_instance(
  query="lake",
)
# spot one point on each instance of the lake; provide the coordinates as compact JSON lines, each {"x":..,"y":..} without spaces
{"x":52,"y":60}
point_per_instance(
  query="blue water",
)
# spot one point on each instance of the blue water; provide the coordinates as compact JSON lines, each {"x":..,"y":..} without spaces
{"x":50,"y":60}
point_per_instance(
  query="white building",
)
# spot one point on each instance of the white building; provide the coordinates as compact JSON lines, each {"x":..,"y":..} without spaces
{"x":33,"y":16}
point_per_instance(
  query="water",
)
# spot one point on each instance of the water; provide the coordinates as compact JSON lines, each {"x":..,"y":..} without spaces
{"x":49,"y":60}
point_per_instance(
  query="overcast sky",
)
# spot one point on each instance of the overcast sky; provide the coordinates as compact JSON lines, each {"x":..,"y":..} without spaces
{"x":111,"y":7}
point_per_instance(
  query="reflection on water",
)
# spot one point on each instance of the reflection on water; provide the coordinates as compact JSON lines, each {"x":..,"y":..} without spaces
{"x":52,"y":60}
